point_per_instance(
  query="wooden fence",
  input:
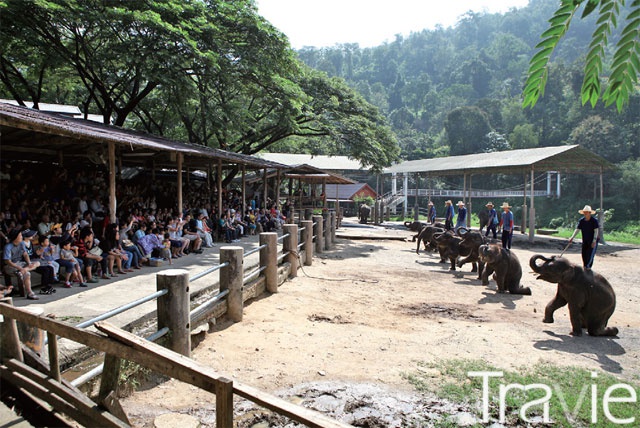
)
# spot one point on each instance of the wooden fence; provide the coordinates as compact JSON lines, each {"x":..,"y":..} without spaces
{"x":24,"y":369}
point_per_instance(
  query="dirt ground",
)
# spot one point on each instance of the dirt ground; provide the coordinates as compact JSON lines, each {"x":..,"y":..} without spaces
{"x":366,"y":313}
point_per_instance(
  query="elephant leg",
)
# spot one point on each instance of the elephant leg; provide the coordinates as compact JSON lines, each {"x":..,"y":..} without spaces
{"x":480,"y":269}
{"x":556,"y":303}
{"x":485,"y":275}
{"x":598,"y":327}
{"x":575,"y":314}
{"x":501,"y":280}
{"x":516,"y":288}
{"x":443,"y":259}
{"x":474,"y":267}
{"x":453,"y":263}
{"x":462,"y":261}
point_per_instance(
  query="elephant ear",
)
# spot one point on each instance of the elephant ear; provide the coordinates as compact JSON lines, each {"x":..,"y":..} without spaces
{"x":569,"y":274}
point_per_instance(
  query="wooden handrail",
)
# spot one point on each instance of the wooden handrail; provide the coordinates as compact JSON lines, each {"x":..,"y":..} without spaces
{"x":122,"y":344}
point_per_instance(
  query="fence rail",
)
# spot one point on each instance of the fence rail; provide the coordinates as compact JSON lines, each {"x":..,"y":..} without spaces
{"x":175,"y":319}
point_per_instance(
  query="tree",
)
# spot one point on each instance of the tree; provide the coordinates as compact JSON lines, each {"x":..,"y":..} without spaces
{"x":523,"y":137}
{"x":467,"y":128}
{"x":625,"y":67}
{"x":600,"y":136}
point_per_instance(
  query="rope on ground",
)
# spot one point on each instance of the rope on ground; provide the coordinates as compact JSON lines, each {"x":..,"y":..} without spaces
{"x":297,"y":254}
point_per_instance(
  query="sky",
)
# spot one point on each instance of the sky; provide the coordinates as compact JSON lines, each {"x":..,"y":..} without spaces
{"x":323,"y":23}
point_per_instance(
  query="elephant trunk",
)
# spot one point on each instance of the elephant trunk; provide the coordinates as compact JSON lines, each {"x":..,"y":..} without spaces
{"x":533,"y":262}
{"x":462,"y":231}
{"x":407,"y":223}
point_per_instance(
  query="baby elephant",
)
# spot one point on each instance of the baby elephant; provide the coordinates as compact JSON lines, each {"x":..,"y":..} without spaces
{"x":590,"y":297}
{"x":506,"y":266}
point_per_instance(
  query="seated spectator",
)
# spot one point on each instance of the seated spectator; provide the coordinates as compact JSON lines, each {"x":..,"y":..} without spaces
{"x":16,"y":262}
{"x":151,"y":243}
{"x":250,"y":220}
{"x":178,"y":243}
{"x":91,"y":254}
{"x":203,"y":231}
{"x":190,"y":231}
{"x":69,"y":254}
{"x":111,"y":249}
{"x":45,"y":252}
{"x":44,"y":227}
{"x":46,"y":270}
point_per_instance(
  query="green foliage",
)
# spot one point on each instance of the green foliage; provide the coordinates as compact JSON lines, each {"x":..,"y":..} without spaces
{"x":571,"y":390}
{"x":361,"y":199}
{"x":626,"y":58}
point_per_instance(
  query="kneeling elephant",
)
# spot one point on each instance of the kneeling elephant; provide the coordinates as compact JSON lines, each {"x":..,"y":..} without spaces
{"x":506,"y":266}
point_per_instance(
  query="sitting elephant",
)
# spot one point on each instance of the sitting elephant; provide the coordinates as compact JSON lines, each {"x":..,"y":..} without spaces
{"x":590,"y":297}
{"x":365,"y":210}
{"x":506,"y":266}
{"x":426,"y":236}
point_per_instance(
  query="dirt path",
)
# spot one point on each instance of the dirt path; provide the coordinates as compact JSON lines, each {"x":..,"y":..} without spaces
{"x":368,"y":312}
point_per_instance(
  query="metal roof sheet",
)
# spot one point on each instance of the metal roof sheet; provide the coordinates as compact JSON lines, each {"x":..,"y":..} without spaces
{"x":84,"y":134}
{"x":328,"y":163}
{"x":571,"y":158}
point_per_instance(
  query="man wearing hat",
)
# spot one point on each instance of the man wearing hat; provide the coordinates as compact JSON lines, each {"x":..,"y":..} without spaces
{"x":493,"y":220}
{"x":462,"y":216}
{"x":590,"y":228}
{"x":432,"y":212}
{"x":506,"y":223}
{"x":448,"y":215}
{"x":16,"y":261}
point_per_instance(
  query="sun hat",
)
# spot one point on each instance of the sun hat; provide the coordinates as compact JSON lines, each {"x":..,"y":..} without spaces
{"x":460,"y":203}
{"x":490,"y":204}
{"x":28,"y":233}
{"x":448,"y":202}
{"x":505,"y":205}
{"x":586,"y":209}
{"x":430,"y":204}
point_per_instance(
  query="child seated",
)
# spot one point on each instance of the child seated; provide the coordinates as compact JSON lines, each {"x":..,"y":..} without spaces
{"x":69,"y":254}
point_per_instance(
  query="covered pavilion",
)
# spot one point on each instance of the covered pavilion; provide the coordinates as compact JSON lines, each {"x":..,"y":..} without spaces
{"x":560,"y":159}
{"x":36,"y":136}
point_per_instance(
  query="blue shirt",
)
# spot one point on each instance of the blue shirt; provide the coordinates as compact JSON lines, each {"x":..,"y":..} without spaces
{"x":449,"y":212}
{"x":507,"y":221}
{"x":462,"y":214}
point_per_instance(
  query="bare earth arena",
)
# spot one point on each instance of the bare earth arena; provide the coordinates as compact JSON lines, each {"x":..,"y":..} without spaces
{"x":341,"y":337}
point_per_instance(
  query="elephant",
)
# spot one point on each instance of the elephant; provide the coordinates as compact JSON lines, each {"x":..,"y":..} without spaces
{"x":506,"y":266}
{"x":414,"y":226}
{"x":426,"y":236}
{"x":590,"y":297}
{"x":483,"y":216}
{"x":469,"y":249}
{"x":365,"y":210}
{"x":449,"y":247}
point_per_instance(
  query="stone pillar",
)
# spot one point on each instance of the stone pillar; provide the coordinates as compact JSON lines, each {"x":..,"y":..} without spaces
{"x":269,"y":260}
{"x":318,"y":231}
{"x":327,"y":230}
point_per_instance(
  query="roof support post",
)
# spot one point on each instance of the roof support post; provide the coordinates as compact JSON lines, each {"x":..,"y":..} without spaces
{"x":394,"y":188}
{"x":278,"y":182}
{"x":244,"y":189}
{"x":219,"y":185}
{"x":416,"y":206}
{"x":469,"y":205}
{"x":601,"y":211}
{"x":179,"y":168}
{"x":405,"y":188}
{"x":265,"y":188}
{"x":532,"y":210}
{"x":324,"y":193}
{"x":112,"y":182}
{"x":523,"y":228}
{"x":558,"y":184}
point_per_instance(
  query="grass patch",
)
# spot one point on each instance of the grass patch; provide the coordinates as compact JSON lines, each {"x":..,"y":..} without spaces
{"x":571,"y":389}
{"x":622,"y":236}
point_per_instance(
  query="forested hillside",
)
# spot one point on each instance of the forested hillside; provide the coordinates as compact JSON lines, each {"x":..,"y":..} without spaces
{"x":452,"y":91}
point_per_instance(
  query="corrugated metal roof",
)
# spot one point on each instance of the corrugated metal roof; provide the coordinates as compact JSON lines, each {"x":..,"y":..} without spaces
{"x":327,"y":163}
{"x":346,"y":192}
{"x":85,"y":135}
{"x":561,"y":158}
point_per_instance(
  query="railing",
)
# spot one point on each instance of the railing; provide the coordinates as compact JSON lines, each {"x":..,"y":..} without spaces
{"x":175,"y":317}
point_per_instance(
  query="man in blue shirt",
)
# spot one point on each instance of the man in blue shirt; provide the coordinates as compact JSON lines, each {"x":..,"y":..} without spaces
{"x":506,"y":222}
{"x":493,"y":220}
{"x":448,"y":215}
{"x":462,"y":216}
{"x":432,"y":213}
{"x":590,"y":228}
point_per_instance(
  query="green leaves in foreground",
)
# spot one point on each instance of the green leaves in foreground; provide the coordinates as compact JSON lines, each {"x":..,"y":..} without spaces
{"x":626,"y":58}
{"x":574,"y":391}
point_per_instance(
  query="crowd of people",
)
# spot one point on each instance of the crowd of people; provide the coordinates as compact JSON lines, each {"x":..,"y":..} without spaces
{"x":63,"y":222}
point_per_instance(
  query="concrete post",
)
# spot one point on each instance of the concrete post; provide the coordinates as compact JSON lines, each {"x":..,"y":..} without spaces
{"x":173,"y":309}
{"x":269,"y":260}
{"x":232,"y":278}
{"x":308,"y":213}
{"x":334,"y":221}
{"x":290,"y":245}
{"x":308,"y":241}
{"x":327,"y":230}
{"x":9,"y":339}
{"x":318,"y":231}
